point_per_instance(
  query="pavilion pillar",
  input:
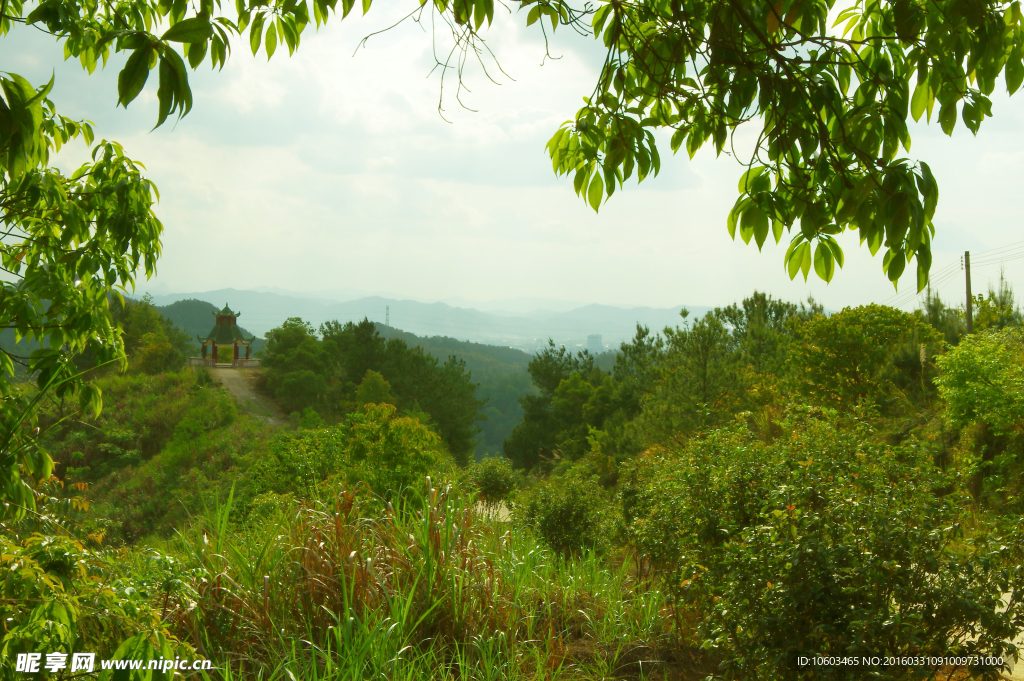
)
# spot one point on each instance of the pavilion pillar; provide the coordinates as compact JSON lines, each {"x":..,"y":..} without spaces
{"x":204,"y":350}
{"x":236,"y":351}
{"x":214,"y":353}
{"x":247,"y":352}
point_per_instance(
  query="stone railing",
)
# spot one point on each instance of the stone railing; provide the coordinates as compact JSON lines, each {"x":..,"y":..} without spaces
{"x":240,"y":363}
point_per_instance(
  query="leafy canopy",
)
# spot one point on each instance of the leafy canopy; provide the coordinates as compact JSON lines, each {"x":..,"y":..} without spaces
{"x":830,"y":87}
{"x":982,"y":380}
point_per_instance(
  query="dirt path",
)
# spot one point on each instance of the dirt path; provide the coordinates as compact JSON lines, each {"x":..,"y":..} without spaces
{"x":239,"y":382}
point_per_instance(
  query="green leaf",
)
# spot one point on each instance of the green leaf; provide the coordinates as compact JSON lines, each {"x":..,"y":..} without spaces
{"x":897,"y":263}
{"x":133,"y":76}
{"x":837,"y":251}
{"x":798,"y":257}
{"x":922,"y":276}
{"x":580,"y":179}
{"x":165,"y":91}
{"x":196,"y":53}
{"x":193,"y":30}
{"x":919,"y":102}
{"x":754,"y":223}
{"x":596,"y":192}
{"x":1014,"y":70}
{"x":824,"y":264}
{"x":947,"y":117}
{"x":256,"y":34}
{"x":271,"y":41}
{"x":479,"y":14}
{"x":734,"y":216}
{"x":805,"y":259}
{"x":747,"y":179}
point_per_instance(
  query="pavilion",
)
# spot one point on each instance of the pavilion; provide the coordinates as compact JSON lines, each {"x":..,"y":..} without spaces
{"x":225,"y":336}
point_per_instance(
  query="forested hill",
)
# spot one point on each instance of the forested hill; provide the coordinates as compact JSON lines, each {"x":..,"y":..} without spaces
{"x":477,"y":356}
{"x":195,"y":317}
{"x":499,"y":371}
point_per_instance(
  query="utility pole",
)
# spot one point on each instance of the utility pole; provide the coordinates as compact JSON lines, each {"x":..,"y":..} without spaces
{"x":387,"y":308}
{"x":970,"y":301}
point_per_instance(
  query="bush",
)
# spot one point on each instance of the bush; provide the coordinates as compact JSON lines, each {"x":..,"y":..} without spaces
{"x":386,"y":451}
{"x":570,"y":514}
{"x":982,"y":383}
{"x":823,"y":544}
{"x":983,"y":380}
{"x":860,"y":354}
{"x":494,"y":479}
{"x":309,"y":419}
{"x":60,"y":596}
{"x":156,"y":355}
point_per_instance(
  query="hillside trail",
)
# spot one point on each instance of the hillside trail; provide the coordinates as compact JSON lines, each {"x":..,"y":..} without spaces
{"x":239,"y":382}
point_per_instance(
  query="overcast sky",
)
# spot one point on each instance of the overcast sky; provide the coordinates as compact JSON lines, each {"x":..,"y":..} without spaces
{"x":332,"y":169}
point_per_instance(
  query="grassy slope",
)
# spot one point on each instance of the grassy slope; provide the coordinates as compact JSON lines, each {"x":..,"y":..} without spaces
{"x":163,"y":447}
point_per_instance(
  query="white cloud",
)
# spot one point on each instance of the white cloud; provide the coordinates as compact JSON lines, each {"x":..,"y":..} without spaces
{"x":327,"y":170}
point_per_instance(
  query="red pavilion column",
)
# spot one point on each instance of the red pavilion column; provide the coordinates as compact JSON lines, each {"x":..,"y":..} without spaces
{"x":214,"y":353}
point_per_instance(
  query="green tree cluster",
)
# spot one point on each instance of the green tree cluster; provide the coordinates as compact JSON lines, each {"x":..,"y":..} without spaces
{"x":749,"y":358}
{"x":689,"y":377}
{"x":153,"y":344}
{"x":824,"y":542}
{"x":345,"y":367}
{"x":982,"y":385}
{"x":377,"y":446}
{"x":854,"y":355}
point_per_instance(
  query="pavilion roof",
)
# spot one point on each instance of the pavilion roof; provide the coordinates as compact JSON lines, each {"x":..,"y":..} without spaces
{"x":223,"y":335}
{"x":228,"y":332}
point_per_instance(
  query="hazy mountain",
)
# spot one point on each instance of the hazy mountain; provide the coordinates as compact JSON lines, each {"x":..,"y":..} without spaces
{"x":264,"y":310}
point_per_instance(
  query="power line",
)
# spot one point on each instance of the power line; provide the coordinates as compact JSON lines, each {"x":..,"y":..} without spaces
{"x":993,"y":256}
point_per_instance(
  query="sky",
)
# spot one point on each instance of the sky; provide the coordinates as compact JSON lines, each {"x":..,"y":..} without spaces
{"x":333,"y":170}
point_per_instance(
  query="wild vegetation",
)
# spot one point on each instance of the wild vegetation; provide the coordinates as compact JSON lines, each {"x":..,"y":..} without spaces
{"x":759,"y":485}
{"x":678,"y":516}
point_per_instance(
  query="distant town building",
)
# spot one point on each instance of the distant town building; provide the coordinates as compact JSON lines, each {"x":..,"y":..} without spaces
{"x":594,"y":344}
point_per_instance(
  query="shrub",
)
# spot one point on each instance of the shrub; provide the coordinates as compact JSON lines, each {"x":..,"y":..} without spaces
{"x":983,"y":380}
{"x":982,"y":383}
{"x":391,"y":452}
{"x":386,"y":451}
{"x":857,"y":354}
{"x":823,"y":544}
{"x":494,"y":479}
{"x":156,"y":355}
{"x":60,"y":596}
{"x":309,"y":419}
{"x":570,"y":514}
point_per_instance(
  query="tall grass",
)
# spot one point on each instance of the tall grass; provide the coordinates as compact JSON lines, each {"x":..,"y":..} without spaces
{"x":353,"y":589}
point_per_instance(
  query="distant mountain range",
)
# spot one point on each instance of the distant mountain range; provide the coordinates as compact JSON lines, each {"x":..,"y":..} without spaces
{"x":529,"y":331}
